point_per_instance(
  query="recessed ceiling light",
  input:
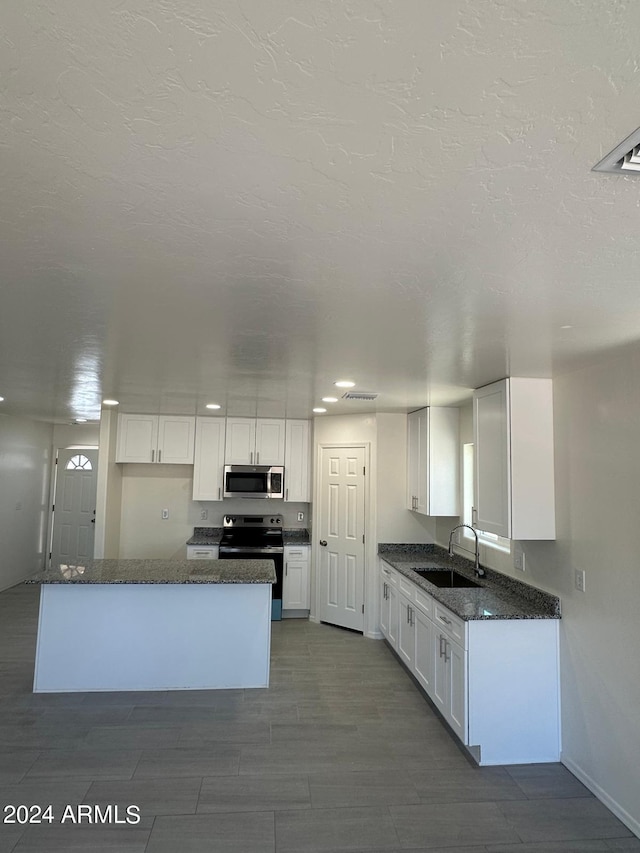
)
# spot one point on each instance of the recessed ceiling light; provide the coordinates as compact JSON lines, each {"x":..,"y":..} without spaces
{"x":110,"y":403}
{"x":566,"y":327}
{"x":212,"y":406}
{"x":80,"y":420}
{"x":1,"y":399}
{"x":329,"y":399}
{"x":344,"y":383}
{"x":319,"y":411}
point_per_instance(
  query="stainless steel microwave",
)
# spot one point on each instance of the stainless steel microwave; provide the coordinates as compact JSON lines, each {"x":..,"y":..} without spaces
{"x":253,"y":481}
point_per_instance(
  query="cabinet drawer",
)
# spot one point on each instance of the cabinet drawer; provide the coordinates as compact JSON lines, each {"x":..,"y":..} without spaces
{"x":452,"y":625}
{"x":407,"y":588}
{"x":195,"y":553}
{"x":424,"y":603}
{"x":295,"y":553}
{"x":389,"y":574}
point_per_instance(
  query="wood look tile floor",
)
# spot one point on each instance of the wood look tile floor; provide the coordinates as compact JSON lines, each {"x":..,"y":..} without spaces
{"x":341,"y":753}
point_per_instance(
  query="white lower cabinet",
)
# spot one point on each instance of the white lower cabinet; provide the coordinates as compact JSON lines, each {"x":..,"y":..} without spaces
{"x":494,"y":681}
{"x":202,"y":552}
{"x":389,"y":604}
{"x":406,"y":624}
{"x":295,"y":583}
{"x":424,"y":656}
{"x":450,"y":682}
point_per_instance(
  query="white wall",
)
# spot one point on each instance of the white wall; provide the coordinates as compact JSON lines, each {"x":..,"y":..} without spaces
{"x":72,"y":435}
{"x":597,"y":469}
{"x":148,"y":489}
{"x":25,"y":465}
{"x":597,"y":425}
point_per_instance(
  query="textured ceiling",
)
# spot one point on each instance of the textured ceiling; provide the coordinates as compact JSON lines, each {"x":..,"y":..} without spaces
{"x":241,"y":202}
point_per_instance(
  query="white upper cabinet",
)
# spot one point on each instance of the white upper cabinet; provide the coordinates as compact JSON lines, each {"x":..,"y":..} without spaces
{"x":209,"y":459}
{"x":296,"y":462}
{"x":270,"y":442}
{"x":433,"y":454}
{"x":255,"y":442}
{"x":514,"y":472}
{"x":168,"y":439}
{"x":240,"y":443}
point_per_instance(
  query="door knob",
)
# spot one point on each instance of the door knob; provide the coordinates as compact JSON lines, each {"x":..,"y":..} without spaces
{"x":323,"y":542}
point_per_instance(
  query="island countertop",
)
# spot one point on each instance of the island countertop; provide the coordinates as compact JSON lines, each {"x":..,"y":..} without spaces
{"x":161,"y":572}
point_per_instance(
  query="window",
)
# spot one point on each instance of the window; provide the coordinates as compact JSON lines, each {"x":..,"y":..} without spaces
{"x":490,"y":539}
{"x":79,"y":462}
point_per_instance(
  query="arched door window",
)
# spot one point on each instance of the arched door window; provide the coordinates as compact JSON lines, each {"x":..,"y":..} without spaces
{"x":79,"y":462}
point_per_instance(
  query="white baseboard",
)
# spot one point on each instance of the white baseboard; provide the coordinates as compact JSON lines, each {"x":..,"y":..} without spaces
{"x":16,"y":583}
{"x":622,"y":814}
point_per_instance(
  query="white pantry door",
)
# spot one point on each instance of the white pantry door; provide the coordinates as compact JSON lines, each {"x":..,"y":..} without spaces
{"x":74,"y":507}
{"x":341,"y":533}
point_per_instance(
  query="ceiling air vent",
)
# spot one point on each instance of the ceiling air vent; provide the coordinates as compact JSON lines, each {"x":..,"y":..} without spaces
{"x":624,"y":159}
{"x":359,"y":395}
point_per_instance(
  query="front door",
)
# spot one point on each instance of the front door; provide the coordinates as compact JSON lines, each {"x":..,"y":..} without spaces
{"x":74,"y":507}
{"x":341,"y":534}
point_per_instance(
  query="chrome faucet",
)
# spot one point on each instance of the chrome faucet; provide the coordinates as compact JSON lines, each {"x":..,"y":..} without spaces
{"x":480,"y":572}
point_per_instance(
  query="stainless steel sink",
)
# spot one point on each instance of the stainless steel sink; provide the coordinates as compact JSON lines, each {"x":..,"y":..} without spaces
{"x":445,"y":578}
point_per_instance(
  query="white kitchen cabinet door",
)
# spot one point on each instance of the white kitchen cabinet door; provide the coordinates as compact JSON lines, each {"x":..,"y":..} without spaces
{"x":417,"y":428}
{"x":296,"y":581}
{"x":389,"y":604}
{"x":297,"y":462}
{"x":457,"y":689}
{"x":406,"y":633}
{"x":175,"y":439}
{"x":450,"y":683}
{"x":137,"y":438}
{"x":433,"y":461}
{"x":270,"y":441}
{"x":424,"y":661}
{"x":240,"y":441}
{"x":514,"y":469}
{"x":209,"y":459}
{"x":294,"y":586}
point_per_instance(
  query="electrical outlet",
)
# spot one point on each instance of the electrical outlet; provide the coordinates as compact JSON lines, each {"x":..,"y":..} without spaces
{"x":204,"y":514}
{"x":165,"y":513}
{"x":300,"y":516}
{"x":518,"y":557}
{"x":579,"y":579}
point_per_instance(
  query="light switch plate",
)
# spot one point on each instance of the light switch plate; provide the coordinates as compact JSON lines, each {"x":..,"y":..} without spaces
{"x":165,"y":513}
{"x":204,"y":514}
{"x":518,"y":557}
{"x":579,"y":577}
{"x":300,"y":516}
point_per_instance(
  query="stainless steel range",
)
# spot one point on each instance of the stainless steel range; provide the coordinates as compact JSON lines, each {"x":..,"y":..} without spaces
{"x":256,"y":537}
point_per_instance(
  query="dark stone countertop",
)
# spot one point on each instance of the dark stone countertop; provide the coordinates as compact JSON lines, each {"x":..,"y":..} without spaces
{"x":206,"y":536}
{"x":498,"y":597}
{"x":161,"y":572}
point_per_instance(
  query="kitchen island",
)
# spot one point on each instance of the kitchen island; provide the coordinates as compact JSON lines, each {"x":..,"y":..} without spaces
{"x":154,"y":625}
